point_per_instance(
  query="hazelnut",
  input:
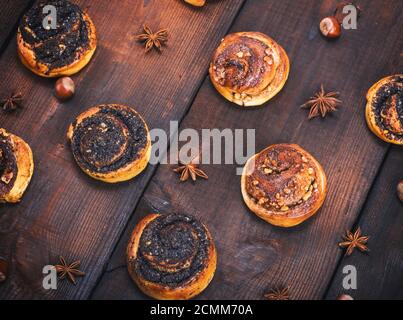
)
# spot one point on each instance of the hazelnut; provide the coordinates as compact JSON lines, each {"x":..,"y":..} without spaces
{"x":344,"y":297}
{"x":400,"y":190}
{"x":330,"y":27}
{"x":64,"y":88}
{"x":3,"y":269}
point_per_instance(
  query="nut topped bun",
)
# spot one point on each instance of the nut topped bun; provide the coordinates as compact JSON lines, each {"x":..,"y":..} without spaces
{"x":249,"y":68}
{"x":283,"y":184}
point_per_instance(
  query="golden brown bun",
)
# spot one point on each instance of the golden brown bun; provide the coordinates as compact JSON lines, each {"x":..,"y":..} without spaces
{"x":22,"y":155}
{"x":29,"y":58}
{"x":283,"y":184}
{"x":189,"y":287}
{"x":249,"y":68}
{"x":197,"y":3}
{"x":382,"y":113}
{"x":116,"y":119}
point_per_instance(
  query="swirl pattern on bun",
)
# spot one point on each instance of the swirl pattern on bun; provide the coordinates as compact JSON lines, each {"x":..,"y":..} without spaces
{"x":283,"y":184}
{"x":171,"y":256}
{"x":16,"y":167}
{"x":62,"y":51}
{"x":110,"y":143}
{"x":249,"y":68}
{"x":384,"y":109}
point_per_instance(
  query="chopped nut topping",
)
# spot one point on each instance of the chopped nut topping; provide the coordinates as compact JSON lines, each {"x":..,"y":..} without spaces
{"x":293,"y":184}
{"x":262,"y":200}
{"x":307,"y":196}
{"x":7,"y":177}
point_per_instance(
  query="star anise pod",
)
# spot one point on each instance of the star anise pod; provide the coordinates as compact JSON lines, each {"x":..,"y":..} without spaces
{"x":278,"y":294}
{"x":190,"y":170}
{"x":13,"y":102}
{"x":322,"y":103}
{"x":68,"y":270}
{"x":354,"y":240}
{"x":152,"y":39}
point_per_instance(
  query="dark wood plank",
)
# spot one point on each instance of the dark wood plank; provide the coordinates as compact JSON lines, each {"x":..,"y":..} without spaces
{"x":252,"y":255}
{"x":65,"y":212}
{"x":379,"y":274}
{"x":10,"y":12}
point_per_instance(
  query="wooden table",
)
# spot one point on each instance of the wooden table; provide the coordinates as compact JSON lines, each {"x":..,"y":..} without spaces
{"x":66,"y":213}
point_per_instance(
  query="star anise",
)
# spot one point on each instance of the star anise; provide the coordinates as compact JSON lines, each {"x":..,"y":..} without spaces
{"x":322,"y":103}
{"x":354,"y":240}
{"x":278,"y":294}
{"x":152,"y":39}
{"x":13,"y":102}
{"x":70,"y":270}
{"x":190,"y":170}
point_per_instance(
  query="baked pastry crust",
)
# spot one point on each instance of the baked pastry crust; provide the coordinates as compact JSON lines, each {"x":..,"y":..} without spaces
{"x":249,"y":68}
{"x":384,"y":109}
{"x":16,"y":167}
{"x":186,"y":276}
{"x":110,"y":142}
{"x":196,"y":3}
{"x":283,"y":184}
{"x":57,"y":63}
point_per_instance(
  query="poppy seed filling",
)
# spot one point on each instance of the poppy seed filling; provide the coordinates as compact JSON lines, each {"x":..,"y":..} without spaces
{"x":8,"y":166}
{"x":109,"y":139}
{"x":173,"y":249}
{"x":56,"y":47}
{"x":387,"y":107}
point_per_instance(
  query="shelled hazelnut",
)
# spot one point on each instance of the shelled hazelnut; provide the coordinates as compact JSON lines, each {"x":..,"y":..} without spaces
{"x":330,"y":27}
{"x":64,"y":88}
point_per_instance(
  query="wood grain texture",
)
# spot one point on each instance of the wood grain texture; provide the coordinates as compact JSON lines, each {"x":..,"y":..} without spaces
{"x":254,"y":256}
{"x":10,"y":12}
{"x":379,"y":273}
{"x":64,"y":212}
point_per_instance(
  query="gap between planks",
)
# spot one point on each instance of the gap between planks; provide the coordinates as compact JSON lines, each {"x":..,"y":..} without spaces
{"x":185,"y":113}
